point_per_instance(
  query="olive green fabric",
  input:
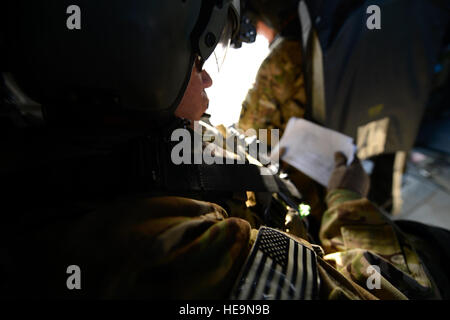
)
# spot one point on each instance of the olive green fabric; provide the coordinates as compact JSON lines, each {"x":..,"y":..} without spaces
{"x":279,"y":90}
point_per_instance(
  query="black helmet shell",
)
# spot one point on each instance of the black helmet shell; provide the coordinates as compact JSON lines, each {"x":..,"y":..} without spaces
{"x":138,"y":53}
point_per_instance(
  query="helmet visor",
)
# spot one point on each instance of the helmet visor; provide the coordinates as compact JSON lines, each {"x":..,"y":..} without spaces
{"x":217,"y":58}
{"x":221,"y":50}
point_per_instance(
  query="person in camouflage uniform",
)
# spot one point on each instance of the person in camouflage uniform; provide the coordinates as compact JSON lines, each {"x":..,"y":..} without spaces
{"x":279,"y":91}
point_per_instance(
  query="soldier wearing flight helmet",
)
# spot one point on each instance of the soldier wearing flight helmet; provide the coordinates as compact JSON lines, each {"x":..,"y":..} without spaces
{"x":89,"y":185}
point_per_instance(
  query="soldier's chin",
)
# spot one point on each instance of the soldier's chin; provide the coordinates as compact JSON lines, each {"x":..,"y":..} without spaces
{"x":205,"y":103}
{"x":200,"y":112}
{"x":205,"y":97}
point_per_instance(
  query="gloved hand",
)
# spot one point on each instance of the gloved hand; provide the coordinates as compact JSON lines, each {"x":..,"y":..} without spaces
{"x":352,"y":178}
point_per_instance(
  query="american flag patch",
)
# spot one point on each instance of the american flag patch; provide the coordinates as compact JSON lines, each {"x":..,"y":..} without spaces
{"x":278,"y":268}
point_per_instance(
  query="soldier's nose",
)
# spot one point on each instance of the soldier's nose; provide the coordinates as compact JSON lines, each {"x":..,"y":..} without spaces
{"x":206,"y":79}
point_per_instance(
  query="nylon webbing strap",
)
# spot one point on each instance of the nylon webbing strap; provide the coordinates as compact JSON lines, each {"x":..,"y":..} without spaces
{"x":226,"y":178}
{"x":153,"y":169}
{"x":144,"y":167}
{"x":280,"y":268}
{"x":236,"y":177}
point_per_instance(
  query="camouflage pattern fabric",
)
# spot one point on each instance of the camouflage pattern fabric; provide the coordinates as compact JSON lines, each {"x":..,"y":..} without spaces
{"x":279,"y":92}
{"x":178,"y":248}
{"x":151,"y":248}
{"x":356,"y":235}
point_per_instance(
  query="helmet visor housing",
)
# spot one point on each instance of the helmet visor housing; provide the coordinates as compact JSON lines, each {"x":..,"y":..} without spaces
{"x":216,"y":33}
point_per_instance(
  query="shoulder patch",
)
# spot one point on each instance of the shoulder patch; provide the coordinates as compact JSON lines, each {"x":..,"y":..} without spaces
{"x":278,"y":268}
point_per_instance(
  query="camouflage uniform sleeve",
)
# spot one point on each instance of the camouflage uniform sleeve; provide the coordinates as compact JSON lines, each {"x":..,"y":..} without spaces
{"x":160,"y":248}
{"x":278,"y":93}
{"x":359,"y":240}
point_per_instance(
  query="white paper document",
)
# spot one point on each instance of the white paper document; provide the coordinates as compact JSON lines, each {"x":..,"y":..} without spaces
{"x":310,"y":148}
